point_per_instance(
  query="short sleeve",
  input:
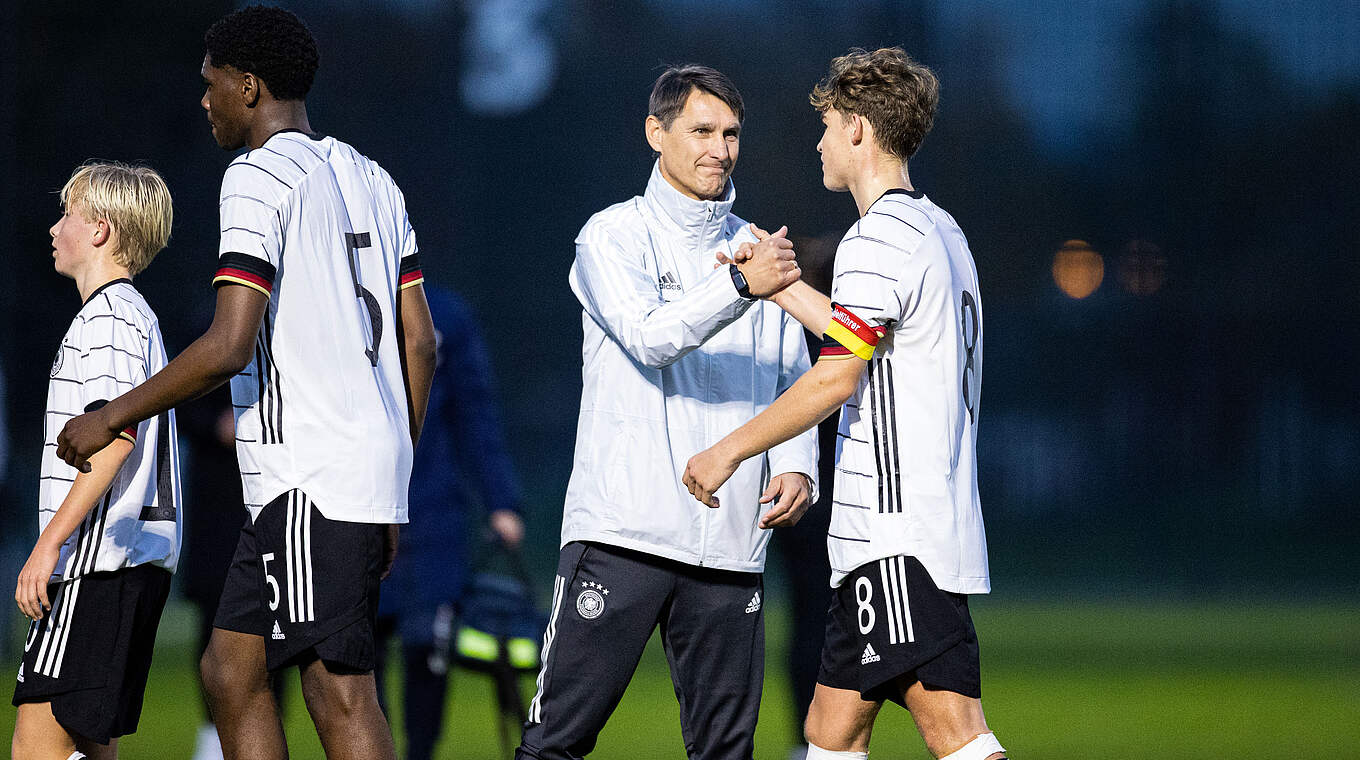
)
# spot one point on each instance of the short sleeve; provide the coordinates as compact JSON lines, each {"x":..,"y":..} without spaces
{"x":410,"y":273}
{"x":112,"y":359}
{"x":250,"y":227}
{"x":866,"y":296}
{"x":408,"y":235}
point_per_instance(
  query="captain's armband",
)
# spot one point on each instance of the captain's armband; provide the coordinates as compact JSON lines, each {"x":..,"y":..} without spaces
{"x":847,"y":335}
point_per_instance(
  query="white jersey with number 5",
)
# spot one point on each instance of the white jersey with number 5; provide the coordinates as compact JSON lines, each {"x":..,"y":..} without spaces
{"x":323,"y":232}
{"x":906,"y":475}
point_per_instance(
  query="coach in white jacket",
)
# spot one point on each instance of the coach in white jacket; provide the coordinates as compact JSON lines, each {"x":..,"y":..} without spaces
{"x":677,"y":351}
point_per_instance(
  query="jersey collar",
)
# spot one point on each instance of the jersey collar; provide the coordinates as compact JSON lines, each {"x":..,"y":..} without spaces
{"x":104,"y":287}
{"x":917,"y":194}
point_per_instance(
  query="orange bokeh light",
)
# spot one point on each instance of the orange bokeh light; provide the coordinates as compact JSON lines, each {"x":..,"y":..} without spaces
{"x":1077,"y":269}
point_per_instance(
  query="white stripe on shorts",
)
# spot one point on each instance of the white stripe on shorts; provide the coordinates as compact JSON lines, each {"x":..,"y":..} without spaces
{"x":906,"y":608}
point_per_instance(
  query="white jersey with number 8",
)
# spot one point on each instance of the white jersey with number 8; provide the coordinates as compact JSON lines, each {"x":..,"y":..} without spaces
{"x":906,"y":295}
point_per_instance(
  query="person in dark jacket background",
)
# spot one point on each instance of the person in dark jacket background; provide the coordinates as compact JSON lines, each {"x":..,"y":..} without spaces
{"x":461,"y":468}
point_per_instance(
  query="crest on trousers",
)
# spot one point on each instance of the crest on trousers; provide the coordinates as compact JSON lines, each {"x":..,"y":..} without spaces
{"x":590,"y":602}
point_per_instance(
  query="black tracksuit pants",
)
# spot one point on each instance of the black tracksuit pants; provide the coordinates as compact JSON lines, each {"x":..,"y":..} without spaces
{"x":606,"y":603}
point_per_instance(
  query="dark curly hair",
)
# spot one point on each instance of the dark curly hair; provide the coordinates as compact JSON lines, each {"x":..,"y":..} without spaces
{"x":895,"y":93}
{"x":271,"y":43}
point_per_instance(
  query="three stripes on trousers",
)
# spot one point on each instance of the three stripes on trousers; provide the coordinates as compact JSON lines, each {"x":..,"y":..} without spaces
{"x":536,"y":704}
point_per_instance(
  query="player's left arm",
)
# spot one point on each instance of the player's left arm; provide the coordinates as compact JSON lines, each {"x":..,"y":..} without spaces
{"x":800,"y":300}
{"x":812,"y":399}
{"x":31,"y":590}
{"x":417,"y":346}
{"x":221,"y":352}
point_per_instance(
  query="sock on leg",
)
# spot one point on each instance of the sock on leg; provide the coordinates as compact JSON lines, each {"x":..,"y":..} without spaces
{"x":817,"y":753}
{"x":981,"y":747}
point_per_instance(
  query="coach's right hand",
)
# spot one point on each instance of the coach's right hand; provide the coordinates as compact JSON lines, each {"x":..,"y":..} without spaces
{"x":771,"y":265}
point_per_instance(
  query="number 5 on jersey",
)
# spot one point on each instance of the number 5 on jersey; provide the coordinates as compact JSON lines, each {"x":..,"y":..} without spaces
{"x":356,"y":241}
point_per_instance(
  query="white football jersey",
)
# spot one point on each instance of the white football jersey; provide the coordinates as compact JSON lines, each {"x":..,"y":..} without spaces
{"x":113,"y":344}
{"x":906,"y":474}
{"x":322,"y":407}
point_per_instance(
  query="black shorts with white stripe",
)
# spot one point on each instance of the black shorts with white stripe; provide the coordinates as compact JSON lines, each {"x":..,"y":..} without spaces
{"x":307,"y":584}
{"x":91,"y":653}
{"x":890,"y":626}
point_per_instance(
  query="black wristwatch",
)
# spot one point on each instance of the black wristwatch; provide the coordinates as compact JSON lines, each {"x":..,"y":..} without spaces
{"x":739,"y":280}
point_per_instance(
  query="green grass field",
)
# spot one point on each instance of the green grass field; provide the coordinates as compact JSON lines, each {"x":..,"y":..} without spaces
{"x":1061,"y":680}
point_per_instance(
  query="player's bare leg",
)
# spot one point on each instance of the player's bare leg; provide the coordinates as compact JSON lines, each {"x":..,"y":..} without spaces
{"x":840,"y":720}
{"x":239,"y":694}
{"x":947,"y":720}
{"x":344,"y":707}
{"x":38,"y":736}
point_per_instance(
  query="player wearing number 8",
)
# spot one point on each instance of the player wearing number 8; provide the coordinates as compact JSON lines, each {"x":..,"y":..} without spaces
{"x":323,"y":330}
{"x":903,"y":355}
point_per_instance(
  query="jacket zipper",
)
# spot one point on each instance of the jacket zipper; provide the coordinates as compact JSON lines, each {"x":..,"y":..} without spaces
{"x":708,"y":369}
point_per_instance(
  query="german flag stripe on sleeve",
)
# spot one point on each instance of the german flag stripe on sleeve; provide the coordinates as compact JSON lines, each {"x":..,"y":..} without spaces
{"x":832,"y":350}
{"x":241,"y":269}
{"x":849,"y":335}
{"x":411,"y":273}
{"x":129,"y":433}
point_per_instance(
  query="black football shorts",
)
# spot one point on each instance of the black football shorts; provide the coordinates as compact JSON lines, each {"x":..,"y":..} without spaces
{"x":91,"y":653}
{"x":306,"y":583}
{"x":889,"y":626}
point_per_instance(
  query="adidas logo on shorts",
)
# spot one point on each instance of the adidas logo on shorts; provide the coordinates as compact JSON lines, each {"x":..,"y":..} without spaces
{"x":869,"y":655}
{"x":21,"y":672}
{"x":754,"y":605}
{"x":278,"y":632}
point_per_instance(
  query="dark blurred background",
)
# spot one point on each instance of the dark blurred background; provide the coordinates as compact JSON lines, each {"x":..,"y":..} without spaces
{"x":1161,"y":198}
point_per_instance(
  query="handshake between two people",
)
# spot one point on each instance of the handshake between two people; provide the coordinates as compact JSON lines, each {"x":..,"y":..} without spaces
{"x":769,"y":265}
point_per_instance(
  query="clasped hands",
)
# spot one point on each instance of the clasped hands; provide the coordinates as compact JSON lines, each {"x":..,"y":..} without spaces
{"x":769,"y":265}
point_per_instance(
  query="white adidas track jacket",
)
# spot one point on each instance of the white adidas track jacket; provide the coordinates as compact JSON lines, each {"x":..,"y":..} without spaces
{"x":673,"y":360}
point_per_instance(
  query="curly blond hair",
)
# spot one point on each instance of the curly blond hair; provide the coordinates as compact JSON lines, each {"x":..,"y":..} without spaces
{"x":896,"y":94}
{"x":135,"y":202}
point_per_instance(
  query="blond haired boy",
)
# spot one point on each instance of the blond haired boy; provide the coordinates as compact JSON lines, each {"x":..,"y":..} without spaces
{"x":97,"y":579}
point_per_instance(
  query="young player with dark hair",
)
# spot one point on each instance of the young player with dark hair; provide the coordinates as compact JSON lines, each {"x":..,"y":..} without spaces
{"x":903,"y":355}
{"x":323,"y":330}
{"x":109,"y":538}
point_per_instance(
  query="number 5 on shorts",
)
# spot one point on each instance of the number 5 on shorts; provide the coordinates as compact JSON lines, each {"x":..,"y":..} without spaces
{"x":273,"y":584}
